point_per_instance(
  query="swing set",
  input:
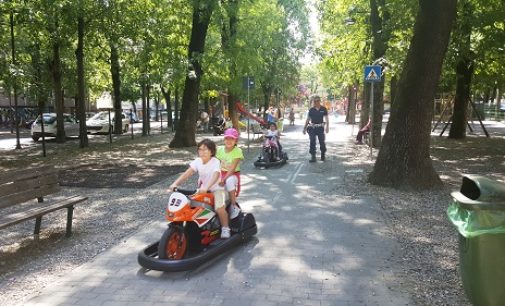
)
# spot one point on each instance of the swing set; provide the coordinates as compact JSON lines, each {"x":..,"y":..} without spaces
{"x":448,"y":106}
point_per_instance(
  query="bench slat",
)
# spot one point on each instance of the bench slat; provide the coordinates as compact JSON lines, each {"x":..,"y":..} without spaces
{"x":28,"y":195}
{"x":40,"y":210}
{"x":29,"y":184}
{"x":19,"y":175}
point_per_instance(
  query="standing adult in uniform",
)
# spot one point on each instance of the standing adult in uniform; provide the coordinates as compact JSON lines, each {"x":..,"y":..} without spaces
{"x":317,"y":124}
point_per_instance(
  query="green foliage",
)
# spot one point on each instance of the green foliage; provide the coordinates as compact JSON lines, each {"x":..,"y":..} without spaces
{"x":347,"y":38}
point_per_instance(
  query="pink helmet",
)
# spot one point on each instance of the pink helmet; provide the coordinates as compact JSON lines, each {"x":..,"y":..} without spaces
{"x":231,"y":133}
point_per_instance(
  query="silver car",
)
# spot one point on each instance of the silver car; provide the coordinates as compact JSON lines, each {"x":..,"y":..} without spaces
{"x":70,"y":123}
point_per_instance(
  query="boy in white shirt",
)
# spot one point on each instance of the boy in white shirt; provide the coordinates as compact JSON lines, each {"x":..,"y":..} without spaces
{"x":208,"y":168}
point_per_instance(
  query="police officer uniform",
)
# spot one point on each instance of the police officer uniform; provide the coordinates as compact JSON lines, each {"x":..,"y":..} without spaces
{"x":316,"y":128}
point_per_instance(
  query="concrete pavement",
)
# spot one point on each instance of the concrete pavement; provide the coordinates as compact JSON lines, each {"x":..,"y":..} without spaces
{"x":316,"y":245}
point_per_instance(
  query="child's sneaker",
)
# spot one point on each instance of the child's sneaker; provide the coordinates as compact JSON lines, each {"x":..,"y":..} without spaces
{"x":225,"y":232}
{"x":234,"y":211}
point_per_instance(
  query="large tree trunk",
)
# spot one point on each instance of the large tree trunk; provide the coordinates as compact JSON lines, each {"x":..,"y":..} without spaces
{"x":186,"y":127}
{"x":81,"y":100}
{"x":115,"y":70}
{"x":404,"y":158}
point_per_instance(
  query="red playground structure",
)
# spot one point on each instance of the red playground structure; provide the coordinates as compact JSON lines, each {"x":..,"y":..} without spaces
{"x":241,"y":109}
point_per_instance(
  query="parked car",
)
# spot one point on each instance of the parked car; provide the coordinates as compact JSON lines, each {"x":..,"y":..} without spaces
{"x":99,"y":123}
{"x":89,"y":115}
{"x":133,"y":116}
{"x":70,"y":124}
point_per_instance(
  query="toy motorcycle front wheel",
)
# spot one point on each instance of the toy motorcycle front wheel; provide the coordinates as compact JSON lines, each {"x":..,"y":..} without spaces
{"x":173,"y":244}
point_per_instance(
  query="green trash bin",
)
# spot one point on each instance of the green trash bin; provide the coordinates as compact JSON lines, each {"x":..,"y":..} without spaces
{"x":478,"y":211}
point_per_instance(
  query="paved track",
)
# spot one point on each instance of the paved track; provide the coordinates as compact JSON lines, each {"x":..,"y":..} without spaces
{"x":316,"y":245}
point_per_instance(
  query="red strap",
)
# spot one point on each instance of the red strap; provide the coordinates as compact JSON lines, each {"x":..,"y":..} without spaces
{"x":237,"y":174}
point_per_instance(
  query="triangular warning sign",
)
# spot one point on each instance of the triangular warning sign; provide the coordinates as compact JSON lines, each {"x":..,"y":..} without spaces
{"x":372,"y":75}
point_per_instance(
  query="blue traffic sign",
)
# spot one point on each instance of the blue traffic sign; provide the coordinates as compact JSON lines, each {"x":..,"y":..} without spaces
{"x":248,"y":82}
{"x":373,"y":73}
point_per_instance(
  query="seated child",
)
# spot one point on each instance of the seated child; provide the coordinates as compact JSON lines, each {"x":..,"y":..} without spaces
{"x":272,"y":138}
{"x":230,"y":156}
{"x":208,"y":168}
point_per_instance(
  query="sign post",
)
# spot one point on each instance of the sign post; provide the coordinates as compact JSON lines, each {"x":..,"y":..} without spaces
{"x":372,"y":75}
{"x":248,"y":83}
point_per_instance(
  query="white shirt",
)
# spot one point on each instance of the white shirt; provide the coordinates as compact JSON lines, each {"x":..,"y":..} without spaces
{"x":274,"y":134}
{"x":205,"y":172}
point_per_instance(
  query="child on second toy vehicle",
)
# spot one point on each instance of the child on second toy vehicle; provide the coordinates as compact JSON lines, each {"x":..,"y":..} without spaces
{"x":208,"y":168}
{"x":230,"y":156}
{"x":272,"y":139}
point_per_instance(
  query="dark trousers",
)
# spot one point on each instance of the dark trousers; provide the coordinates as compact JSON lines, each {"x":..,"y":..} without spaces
{"x":319,"y":133}
{"x":361,"y":132}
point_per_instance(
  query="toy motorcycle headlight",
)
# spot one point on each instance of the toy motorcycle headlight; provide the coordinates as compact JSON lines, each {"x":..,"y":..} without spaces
{"x":177,"y":201}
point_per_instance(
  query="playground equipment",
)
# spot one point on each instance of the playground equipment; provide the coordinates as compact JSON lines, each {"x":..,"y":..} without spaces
{"x":242,"y":109}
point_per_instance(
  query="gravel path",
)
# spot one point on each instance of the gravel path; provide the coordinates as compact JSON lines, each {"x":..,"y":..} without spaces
{"x":429,"y":255}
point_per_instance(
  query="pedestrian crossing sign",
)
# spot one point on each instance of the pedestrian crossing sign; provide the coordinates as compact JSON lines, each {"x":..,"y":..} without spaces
{"x":373,"y":73}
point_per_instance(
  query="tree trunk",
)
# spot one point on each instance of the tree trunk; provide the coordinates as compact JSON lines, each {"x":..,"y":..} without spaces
{"x":58,"y":92}
{"x":145,"y":113}
{"x":464,"y":72}
{"x":404,"y":158}
{"x":176,"y":106}
{"x":351,"y":105}
{"x":81,"y":100}
{"x":206,"y":105}
{"x":378,"y":18}
{"x":167,"y":94}
{"x":267,"y":93}
{"x":148,"y":102}
{"x":365,"y":106}
{"x":228,"y":39}
{"x":115,"y":70}
{"x":393,"y":85}
{"x":157,"y":106}
{"x":186,"y":127}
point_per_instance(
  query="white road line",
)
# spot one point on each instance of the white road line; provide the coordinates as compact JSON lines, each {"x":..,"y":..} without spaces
{"x":292,"y":180}
{"x":276,"y":198}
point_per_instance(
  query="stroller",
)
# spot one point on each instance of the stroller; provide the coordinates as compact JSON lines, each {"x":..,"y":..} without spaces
{"x":218,"y":126}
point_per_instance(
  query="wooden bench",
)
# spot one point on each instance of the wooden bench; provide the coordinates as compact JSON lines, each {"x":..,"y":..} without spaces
{"x":22,"y":197}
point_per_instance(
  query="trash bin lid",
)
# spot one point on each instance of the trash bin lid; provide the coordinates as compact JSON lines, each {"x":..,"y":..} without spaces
{"x":470,"y":204}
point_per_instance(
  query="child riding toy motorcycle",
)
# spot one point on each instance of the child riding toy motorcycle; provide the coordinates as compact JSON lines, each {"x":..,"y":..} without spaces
{"x":198,"y":219}
{"x":271,"y":153}
{"x":193,"y":223}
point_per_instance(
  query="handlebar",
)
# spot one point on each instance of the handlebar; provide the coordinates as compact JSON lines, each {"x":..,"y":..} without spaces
{"x":185,"y":191}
